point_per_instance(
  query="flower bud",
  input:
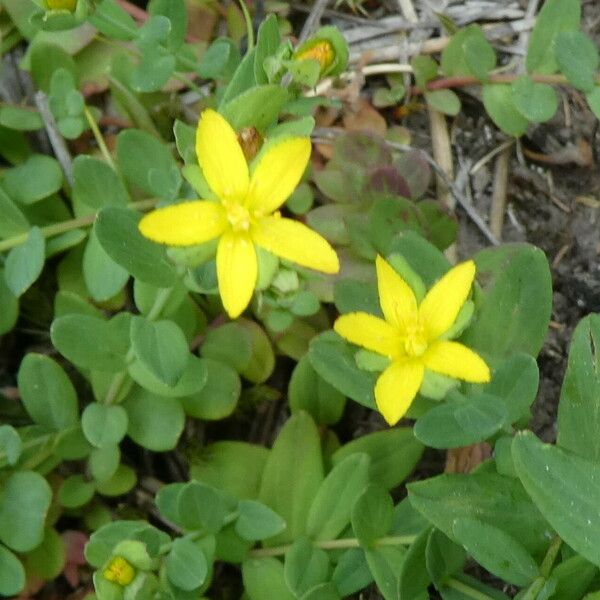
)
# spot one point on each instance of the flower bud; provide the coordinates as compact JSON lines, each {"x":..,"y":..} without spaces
{"x":119,"y":571}
{"x":328,"y":47}
{"x":61,"y":5}
{"x":321,"y":51}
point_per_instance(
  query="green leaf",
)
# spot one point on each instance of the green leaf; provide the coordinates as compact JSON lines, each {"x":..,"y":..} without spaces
{"x":118,"y":234}
{"x":578,"y":58}
{"x":71,"y":335}
{"x":385,"y":564}
{"x":104,"y":278}
{"x":47,"y":393}
{"x":220,"y":60}
{"x":414,"y":576}
{"x":104,"y":462}
{"x":267,"y":43}
{"x":579,"y":406}
{"x":200,"y":505}
{"x":456,"y":424}
{"x":292,"y":475}
{"x":494,"y":499}
{"x":351,"y":572}
{"x":256,"y":107}
{"x":96,"y":185}
{"x":322,"y":591}
{"x":104,"y":425}
{"x":393,"y":453}
{"x":12,"y":573}
{"x":20,"y":118}
{"x":513,"y":310}
{"x":242,"y":79}
{"x":234,"y":467}
{"x":537,"y":102}
{"x":305,"y":567}
{"x":175,"y":11}
{"x":444,"y":101}
{"x":13,"y":221}
{"x":154,"y":422}
{"x":193,"y":380}
{"x":112,"y":21}
{"x":331,"y":508}
{"x":219,"y":395}
{"x":187,"y":567}
{"x":468,"y":53}
{"x":372,"y":515}
{"x":333,"y":360}
{"x":37,"y":178}
{"x":257,"y":521}
{"x":10,"y":444}
{"x":155,"y":68}
{"x":593,"y":100}
{"x":308,"y":391}
{"x":161,"y":347}
{"x":24,"y":263}
{"x":496,"y":551}
{"x":120,"y":483}
{"x":443,"y":557}
{"x":554,"y":17}
{"x":565,"y":488}
{"x":242,"y":345}
{"x":500,"y":106}
{"x":148,"y":164}
{"x":75,"y":492}
{"x":24,"y":505}
{"x":470,"y":586}
{"x":515,"y":381}
{"x":264,"y":580}
{"x":10,"y":305}
{"x":45,"y":59}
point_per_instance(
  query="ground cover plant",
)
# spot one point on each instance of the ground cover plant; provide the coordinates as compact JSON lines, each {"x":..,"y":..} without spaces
{"x":257,"y":340}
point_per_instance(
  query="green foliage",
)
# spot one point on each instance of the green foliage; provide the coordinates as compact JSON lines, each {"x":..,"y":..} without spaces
{"x":133,"y":356}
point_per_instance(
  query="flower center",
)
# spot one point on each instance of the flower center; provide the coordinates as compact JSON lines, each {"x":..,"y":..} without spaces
{"x":415,"y":341}
{"x":119,"y":571}
{"x":238,"y":216}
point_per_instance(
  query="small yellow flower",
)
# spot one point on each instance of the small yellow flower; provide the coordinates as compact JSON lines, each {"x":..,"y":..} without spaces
{"x":61,"y":5}
{"x":119,"y":571}
{"x":322,"y":51}
{"x":246,"y":214}
{"x":411,"y":336}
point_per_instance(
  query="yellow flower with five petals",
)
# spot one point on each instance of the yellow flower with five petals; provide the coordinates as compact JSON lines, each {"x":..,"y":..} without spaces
{"x":411,"y":335}
{"x":246,"y":213}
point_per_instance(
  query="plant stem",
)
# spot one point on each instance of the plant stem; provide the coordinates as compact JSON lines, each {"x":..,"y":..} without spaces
{"x":467,"y":590}
{"x":119,"y":380}
{"x":99,"y":137}
{"x":400,"y":540}
{"x":444,"y":83}
{"x":249,"y":28}
{"x":58,"y":228}
{"x":550,"y":557}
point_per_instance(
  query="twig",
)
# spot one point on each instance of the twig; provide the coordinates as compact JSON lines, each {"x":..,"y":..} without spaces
{"x":408,"y":10}
{"x":325,"y":135}
{"x":59,"y":146}
{"x":499,"y":193}
{"x":313,"y":20}
{"x":485,"y":159}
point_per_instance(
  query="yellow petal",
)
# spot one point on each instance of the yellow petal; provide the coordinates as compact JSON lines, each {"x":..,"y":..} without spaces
{"x":455,"y":360}
{"x":370,"y":332}
{"x":236,"y":271}
{"x":296,"y":242}
{"x":277,"y":174}
{"x":185,"y":224}
{"x":221,"y":158}
{"x":396,"y":388}
{"x":396,"y":297}
{"x":441,"y":305}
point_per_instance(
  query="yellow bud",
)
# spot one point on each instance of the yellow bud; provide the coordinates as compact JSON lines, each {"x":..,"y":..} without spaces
{"x":322,"y":51}
{"x":119,"y":571}
{"x":61,"y":5}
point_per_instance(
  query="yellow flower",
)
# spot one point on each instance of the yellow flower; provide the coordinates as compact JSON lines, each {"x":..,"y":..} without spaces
{"x":412,"y":336}
{"x":246,"y":214}
{"x":119,"y":571}
{"x":61,"y":5}
{"x":322,"y":51}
